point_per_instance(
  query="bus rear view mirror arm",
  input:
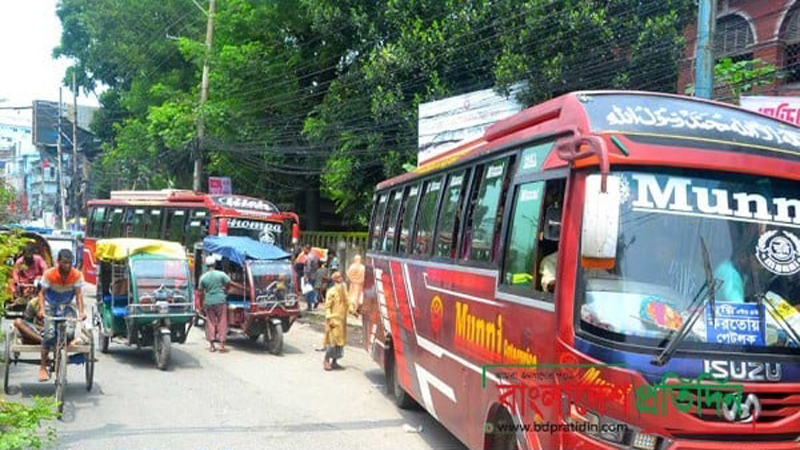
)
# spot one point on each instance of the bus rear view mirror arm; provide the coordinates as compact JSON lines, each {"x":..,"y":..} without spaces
{"x":580,"y":147}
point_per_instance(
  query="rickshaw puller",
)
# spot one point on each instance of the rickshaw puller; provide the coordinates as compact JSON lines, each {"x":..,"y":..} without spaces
{"x":61,"y":288}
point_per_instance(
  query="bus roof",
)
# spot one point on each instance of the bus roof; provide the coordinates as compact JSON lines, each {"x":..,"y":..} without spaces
{"x":647,"y":117}
{"x":167,"y":197}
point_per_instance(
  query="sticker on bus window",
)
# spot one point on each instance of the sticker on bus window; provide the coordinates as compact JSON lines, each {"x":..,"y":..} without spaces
{"x":435,"y":186}
{"x":139,"y":211}
{"x":456,"y":181}
{"x":494,"y":172}
{"x":200,"y":214}
{"x":735,"y":323}
{"x":398,"y":195}
{"x":530,"y":161}
{"x":528,"y":195}
{"x":414,"y":190}
{"x":118,"y":210}
{"x":157,"y":212}
{"x":178,"y":213}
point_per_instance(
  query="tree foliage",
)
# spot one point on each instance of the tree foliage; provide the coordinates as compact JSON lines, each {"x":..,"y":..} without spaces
{"x":323,"y":94}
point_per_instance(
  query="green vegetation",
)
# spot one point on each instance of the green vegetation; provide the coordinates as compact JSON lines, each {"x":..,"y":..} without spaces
{"x":20,"y":425}
{"x":732,"y":79}
{"x":322,"y":95}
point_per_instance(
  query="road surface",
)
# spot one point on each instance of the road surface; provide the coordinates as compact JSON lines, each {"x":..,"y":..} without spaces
{"x":245,"y":399}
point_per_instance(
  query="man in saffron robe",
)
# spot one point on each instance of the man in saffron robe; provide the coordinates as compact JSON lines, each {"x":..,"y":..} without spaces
{"x":355,"y":275}
{"x":337,"y":305}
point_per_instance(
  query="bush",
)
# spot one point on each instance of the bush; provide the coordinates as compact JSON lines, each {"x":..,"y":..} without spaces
{"x":21,"y":426}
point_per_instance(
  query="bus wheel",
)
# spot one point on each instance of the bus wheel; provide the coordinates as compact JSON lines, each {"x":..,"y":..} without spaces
{"x":393,"y":387}
{"x":498,"y":436}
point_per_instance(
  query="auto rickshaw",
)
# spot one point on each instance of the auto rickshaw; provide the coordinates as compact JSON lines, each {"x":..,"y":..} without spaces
{"x":269,"y":304}
{"x":144,"y":295}
{"x":15,"y":307}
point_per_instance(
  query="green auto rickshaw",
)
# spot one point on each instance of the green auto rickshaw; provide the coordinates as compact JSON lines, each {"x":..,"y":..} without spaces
{"x":144,"y":295}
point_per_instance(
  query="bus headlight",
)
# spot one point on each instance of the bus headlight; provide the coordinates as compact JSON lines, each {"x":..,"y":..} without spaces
{"x":610,"y":430}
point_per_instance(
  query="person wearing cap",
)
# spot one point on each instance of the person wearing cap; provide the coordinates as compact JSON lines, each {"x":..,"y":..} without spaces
{"x":214,"y":283}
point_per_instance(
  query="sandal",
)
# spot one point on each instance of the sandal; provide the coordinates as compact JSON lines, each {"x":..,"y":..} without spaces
{"x":212,"y":349}
{"x":327,"y":366}
{"x":223,"y":350}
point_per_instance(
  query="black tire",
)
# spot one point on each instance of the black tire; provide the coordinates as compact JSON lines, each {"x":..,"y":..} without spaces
{"x":253,"y":337}
{"x":61,"y":377}
{"x":273,"y":339}
{"x":161,"y":349}
{"x":7,"y":361}
{"x":393,"y":387}
{"x":105,"y":342}
{"x":89,"y":365}
{"x":501,"y":440}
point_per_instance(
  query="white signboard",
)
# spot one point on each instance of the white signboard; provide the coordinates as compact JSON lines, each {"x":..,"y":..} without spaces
{"x":446,"y":124}
{"x":781,"y":108}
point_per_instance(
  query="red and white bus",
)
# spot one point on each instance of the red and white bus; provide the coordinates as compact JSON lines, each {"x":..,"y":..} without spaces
{"x":185,"y":217}
{"x":629,"y":237}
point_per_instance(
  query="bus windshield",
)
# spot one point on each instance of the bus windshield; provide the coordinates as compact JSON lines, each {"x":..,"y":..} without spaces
{"x":750,"y":227}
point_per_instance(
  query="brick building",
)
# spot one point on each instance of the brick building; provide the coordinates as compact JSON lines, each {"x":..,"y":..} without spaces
{"x":746,"y":29}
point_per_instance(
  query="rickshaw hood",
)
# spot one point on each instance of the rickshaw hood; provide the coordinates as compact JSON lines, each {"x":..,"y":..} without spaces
{"x":122,"y":248}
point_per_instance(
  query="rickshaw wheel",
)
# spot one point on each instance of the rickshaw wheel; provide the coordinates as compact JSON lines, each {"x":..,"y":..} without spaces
{"x":161,"y":349}
{"x":90,"y":365}
{"x":7,"y":360}
{"x":274,"y":342}
{"x":61,"y":377}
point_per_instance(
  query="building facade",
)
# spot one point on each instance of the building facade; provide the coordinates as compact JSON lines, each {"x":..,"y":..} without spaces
{"x":753,"y":29}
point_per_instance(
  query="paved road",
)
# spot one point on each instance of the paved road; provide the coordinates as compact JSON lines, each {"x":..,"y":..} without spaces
{"x":246,"y":399}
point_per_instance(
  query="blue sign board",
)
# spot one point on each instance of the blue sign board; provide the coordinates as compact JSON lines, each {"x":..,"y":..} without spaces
{"x":735,"y":323}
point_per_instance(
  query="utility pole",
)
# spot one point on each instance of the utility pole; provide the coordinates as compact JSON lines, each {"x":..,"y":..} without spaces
{"x":62,"y":203}
{"x":77,"y":203}
{"x":198,"y":156}
{"x":704,"y":61}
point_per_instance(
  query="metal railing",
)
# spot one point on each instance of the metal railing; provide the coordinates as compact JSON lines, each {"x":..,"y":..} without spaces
{"x":347,"y":244}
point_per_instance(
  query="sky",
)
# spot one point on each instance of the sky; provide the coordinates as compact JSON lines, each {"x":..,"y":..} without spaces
{"x":29,"y":30}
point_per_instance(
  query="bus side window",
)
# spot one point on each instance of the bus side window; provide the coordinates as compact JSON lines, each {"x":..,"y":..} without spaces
{"x":391,"y":221}
{"x":377,"y":221}
{"x":426,"y":218}
{"x":140,"y":219}
{"x":97,"y":221}
{"x":407,"y":218}
{"x":482,"y":225}
{"x":449,"y":220}
{"x":521,"y":250}
{"x":194,"y":228}
{"x":550,"y":225}
{"x":154,"y":224}
{"x":114,"y":224}
{"x":176,"y":225}
{"x":127,"y":222}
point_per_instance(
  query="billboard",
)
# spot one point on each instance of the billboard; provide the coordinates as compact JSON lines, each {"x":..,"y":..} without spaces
{"x":786,"y":109}
{"x":445,"y":124}
{"x":219,"y":186}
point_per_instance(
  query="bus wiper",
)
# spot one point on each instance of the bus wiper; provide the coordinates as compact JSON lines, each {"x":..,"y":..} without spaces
{"x":706,"y":294}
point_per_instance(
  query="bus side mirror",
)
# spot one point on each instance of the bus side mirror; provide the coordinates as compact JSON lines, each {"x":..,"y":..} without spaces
{"x":600,"y":229}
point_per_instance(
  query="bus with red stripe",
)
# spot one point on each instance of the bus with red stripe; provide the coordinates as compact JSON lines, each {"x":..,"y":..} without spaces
{"x":604,"y":270}
{"x":185,"y":217}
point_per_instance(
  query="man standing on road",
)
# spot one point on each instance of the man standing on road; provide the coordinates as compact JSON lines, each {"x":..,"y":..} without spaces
{"x":310,"y":274}
{"x":60,"y":286}
{"x":336,"y":308}
{"x":213,"y":283}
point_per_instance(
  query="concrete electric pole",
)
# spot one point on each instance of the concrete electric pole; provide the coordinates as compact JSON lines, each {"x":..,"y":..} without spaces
{"x":61,"y":202}
{"x":76,"y":202}
{"x":198,"y":156}
{"x":704,"y":61}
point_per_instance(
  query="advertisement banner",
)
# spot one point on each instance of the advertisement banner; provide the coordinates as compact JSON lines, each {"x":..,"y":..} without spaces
{"x":219,"y":186}
{"x":786,"y":109}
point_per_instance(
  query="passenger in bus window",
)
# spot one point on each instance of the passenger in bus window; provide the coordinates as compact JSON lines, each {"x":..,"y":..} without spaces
{"x":547,"y":271}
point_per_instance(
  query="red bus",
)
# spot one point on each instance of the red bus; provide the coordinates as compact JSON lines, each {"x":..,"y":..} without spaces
{"x":629,"y":239}
{"x":185,"y":217}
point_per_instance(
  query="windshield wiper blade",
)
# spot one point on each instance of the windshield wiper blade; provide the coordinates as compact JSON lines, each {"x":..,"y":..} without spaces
{"x":706,"y":294}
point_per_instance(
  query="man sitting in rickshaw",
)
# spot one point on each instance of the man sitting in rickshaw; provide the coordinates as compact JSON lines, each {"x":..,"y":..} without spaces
{"x":30,"y":326}
{"x":61,"y":289}
{"x":27,"y":269}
